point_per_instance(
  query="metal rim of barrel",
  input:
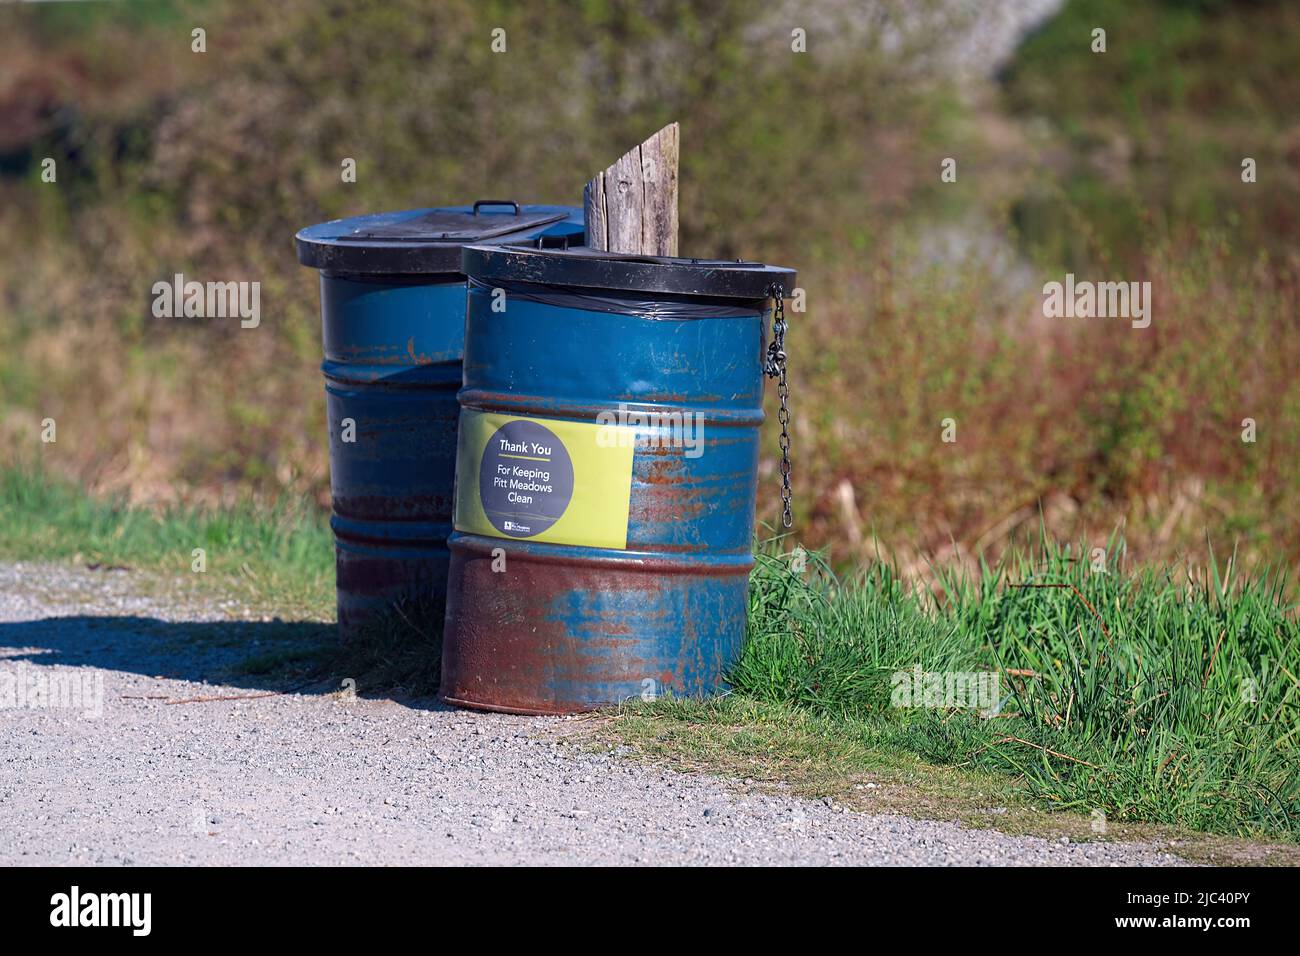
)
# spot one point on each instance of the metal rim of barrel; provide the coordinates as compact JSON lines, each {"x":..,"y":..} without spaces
{"x":384,"y":243}
{"x":581,"y":267}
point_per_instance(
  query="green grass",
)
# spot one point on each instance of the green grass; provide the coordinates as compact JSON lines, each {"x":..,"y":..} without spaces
{"x":280,"y":554}
{"x":1150,"y":696}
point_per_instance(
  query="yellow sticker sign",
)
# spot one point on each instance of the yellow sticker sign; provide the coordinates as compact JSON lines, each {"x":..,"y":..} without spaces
{"x":540,"y":479}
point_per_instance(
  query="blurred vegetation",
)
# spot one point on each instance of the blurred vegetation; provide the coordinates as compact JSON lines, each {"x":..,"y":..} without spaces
{"x":1121,"y":166}
{"x":1156,"y":128}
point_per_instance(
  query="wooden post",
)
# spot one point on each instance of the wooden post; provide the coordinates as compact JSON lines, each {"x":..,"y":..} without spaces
{"x":631,"y":207}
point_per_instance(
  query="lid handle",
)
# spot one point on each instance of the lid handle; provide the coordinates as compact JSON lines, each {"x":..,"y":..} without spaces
{"x":560,"y":241}
{"x":496,"y":202}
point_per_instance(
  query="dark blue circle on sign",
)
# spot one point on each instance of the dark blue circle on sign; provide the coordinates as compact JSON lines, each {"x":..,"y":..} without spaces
{"x":525,"y":480}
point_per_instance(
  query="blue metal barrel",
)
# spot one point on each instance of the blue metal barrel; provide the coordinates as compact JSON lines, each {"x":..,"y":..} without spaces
{"x":606,"y":478}
{"x":393,"y":325}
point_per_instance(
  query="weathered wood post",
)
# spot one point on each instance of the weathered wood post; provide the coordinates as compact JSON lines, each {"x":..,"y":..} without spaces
{"x":631,"y":207}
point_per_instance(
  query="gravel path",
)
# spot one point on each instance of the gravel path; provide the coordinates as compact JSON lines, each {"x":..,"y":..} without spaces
{"x":321,"y":778}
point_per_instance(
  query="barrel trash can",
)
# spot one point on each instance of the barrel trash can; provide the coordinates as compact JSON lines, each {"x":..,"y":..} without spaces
{"x":606,"y":476}
{"x":393,"y":325}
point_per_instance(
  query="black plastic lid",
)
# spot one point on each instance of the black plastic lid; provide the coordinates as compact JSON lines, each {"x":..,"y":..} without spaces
{"x":428,"y":241}
{"x":590,"y":268}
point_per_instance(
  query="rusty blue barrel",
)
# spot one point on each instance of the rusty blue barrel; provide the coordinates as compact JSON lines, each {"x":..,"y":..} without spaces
{"x":606,"y":477}
{"x":393,"y":323}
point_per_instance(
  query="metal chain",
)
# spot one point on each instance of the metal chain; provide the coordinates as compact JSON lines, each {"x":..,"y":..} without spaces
{"x":774,"y":367}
